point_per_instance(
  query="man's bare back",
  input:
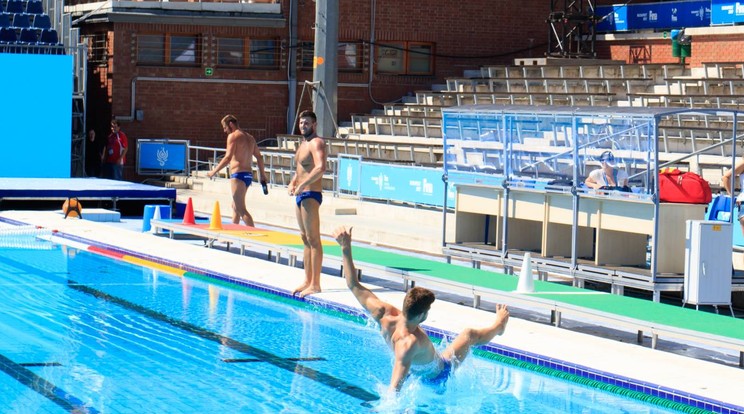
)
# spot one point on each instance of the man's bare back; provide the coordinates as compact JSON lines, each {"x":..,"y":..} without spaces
{"x":242,"y":157}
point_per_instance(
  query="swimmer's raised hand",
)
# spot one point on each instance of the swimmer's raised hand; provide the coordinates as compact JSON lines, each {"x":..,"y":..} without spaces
{"x":343,"y":236}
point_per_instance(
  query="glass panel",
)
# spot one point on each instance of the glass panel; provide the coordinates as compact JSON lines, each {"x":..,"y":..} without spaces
{"x":151,"y":49}
{"x":420,"y":59}
{"x":390,"y":58}
{"x":548,"y":150}
{"x":183,"y":49}
{"x":230,"y":51}
{"x":263,"y":53}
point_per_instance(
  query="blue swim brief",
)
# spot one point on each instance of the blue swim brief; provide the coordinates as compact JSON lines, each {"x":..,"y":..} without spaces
{"x":315,"y":195}
{"x":443,"y":375}
{"x":243,"y":175}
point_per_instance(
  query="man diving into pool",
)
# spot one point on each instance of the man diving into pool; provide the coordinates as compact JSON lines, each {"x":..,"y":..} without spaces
{"x":414,"y":352}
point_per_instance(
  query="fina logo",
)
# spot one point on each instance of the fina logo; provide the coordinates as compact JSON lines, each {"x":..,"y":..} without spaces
{"x":162,"y":156}
{"x":736,"y":8}
{"x":422,"y":186}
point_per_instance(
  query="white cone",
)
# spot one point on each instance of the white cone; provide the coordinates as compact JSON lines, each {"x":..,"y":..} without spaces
{"x":155,"y":216}
{"x":526,"y":281}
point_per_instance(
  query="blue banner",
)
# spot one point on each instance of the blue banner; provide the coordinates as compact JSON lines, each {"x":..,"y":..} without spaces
{"x":667,"y":15}
{"x":402,"y":183}
{"x":162,"y":156}
{"x":614,"y":18}
{"x":349,"y":174}
{"x":726,"y":12}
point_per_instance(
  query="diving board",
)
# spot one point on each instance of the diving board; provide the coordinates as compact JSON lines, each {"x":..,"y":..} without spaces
{"x":646,"y":317}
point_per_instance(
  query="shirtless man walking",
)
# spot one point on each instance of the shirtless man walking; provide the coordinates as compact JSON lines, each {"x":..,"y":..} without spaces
{"x":306,"y":186}
{"x":240,"y":150}
{"x":413,"y":350}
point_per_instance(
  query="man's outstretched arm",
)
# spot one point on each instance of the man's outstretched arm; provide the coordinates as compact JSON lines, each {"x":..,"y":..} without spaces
{"x":366,"y":298}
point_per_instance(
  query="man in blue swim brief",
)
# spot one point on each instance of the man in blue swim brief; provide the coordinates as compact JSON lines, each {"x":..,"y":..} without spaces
{"x":246,"y":177}
{"x":413,"y":350}
{"x":240,"y":150}
{"x":315,"y":195}
{"x":306,"y":186}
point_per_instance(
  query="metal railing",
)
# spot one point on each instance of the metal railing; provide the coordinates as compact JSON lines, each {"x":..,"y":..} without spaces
{"x":279,"y":165}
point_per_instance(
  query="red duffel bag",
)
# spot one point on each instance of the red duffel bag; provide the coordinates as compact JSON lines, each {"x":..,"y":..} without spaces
{"x":676,"y":186}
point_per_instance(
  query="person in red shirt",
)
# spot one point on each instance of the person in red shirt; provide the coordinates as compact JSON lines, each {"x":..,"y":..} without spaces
{"x":114,"y":155}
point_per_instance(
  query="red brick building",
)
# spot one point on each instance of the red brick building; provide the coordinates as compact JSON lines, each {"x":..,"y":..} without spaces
{"x":174,"y":69}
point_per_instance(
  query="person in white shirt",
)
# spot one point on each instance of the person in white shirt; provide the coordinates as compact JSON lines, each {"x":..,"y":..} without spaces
{"x":607,"y":177}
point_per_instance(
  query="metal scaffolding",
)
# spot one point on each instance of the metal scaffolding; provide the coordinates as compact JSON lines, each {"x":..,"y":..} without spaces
{"x":572,"y":32}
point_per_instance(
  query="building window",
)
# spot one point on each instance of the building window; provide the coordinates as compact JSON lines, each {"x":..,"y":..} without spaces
{"x":184,"y":50}
{"x":168,"y":50}
{"x":230,"y":51}
{"x":260,"y":53}
{"x":405,"y":58}
{"x":151,"y":49}
{"x":264,"y":53}
{"x":349,"y":58}
{"x":307,"y":52}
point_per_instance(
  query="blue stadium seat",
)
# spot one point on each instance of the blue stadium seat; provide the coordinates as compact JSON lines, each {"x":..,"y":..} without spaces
{"x":15,"y":6}
{"x":42,"y":21}
{"x":48,"y":37}
{"x":4,"y":20}
{"x":21,"y":20}
{"x":28,"y":37}
{"x":8,"y":35}
{"x":34,"y":7}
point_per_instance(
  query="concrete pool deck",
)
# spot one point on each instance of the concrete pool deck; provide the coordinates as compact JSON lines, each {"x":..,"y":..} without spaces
{"x":716,"y":381}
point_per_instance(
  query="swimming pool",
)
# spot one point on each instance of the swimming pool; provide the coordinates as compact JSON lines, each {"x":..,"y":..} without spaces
{"x":85,"y":332}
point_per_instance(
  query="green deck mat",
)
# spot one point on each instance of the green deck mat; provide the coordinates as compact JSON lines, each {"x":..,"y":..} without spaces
{"x":645,"y":310}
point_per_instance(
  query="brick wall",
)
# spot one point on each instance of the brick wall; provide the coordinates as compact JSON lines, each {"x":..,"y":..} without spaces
{"x":467,"y":35}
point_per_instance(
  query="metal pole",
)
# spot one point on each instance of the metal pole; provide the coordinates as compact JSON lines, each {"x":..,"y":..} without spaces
{"x":325,"y":73}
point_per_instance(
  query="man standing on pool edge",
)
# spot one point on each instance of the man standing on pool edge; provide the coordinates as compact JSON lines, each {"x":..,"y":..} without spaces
{"x":307,"y":186}
{"x":239,"y":152}
{"x":413,"y":350}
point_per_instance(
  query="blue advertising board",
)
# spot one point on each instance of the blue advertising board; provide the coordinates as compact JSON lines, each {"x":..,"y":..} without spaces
{"x":614,"y":18}
{"x":666,"y":15}
{"x":727,"y":12}
{"x":160,"y":157}
{"x":349,"y":173}
{"x":408,"y":184}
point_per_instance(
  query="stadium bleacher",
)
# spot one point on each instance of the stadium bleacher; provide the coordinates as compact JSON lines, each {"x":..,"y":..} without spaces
{"x":26,"y":28}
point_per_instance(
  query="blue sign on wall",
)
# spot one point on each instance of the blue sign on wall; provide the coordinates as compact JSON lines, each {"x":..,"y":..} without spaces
{"x":614,"y":18}
{"x":727,"y":12}
{"x":667,"y":15}
{"x":407,"y":184}
{"x":417,"y":185}
{"x":349,"y":173}
{"x":159,"y":157}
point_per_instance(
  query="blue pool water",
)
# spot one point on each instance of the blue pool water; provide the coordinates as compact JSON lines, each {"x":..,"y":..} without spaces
{"x":84,"y":333}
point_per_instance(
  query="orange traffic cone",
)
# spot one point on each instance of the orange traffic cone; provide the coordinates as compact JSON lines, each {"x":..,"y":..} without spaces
{"x":215,"y":223}
{"x":188,"y":215}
